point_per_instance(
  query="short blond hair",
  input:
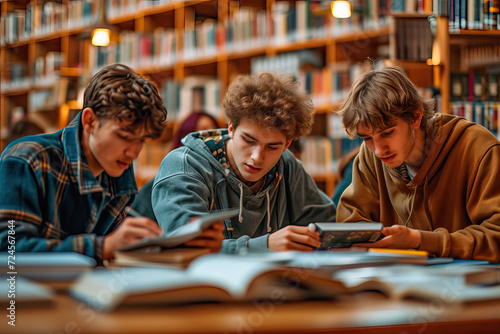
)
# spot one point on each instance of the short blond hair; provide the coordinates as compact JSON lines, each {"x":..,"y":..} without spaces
{"x":379,"y":97}
{"x":273,"y":101}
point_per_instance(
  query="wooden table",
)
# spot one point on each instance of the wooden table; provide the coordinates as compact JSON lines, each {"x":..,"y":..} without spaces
{"x":360,"y":313}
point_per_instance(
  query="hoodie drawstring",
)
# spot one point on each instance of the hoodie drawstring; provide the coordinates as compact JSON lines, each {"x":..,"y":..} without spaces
{"x":426,"y":206}
{"x":240,"y":217}
{"x":268,"y":213}
{"x":268,"y":209}
{"x":412,"y":202}
{"x":412,"y":205}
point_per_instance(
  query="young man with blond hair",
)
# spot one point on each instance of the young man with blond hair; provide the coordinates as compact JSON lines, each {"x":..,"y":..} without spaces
{"x":249,"y":167}
{"x":431,"y":179}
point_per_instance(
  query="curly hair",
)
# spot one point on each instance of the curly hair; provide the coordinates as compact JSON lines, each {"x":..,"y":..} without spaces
{"x":272,"y":101}
{"x":381,"y":96}
{"x":116,"y":91}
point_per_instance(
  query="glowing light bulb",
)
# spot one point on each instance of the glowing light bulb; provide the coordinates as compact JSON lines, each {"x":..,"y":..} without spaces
{"x":100,"y":37}
{"x":341,"y":9}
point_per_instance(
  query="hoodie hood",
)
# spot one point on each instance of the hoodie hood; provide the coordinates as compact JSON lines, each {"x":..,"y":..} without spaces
{"x":212,"y":145}
{"x":442,"y":133}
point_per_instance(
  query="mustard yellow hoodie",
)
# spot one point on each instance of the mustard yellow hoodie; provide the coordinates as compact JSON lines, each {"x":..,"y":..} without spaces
{"x":454,"y":199}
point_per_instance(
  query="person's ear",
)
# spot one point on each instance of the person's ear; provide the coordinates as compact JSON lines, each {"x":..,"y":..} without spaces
{"x":230,"y":129}
{"x":287,"y":144}
{"x":418,"y":120}
{"x":89,"y":120}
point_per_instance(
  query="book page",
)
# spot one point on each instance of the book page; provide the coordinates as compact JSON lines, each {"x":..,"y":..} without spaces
{"x":106,"y":289}
{"x":233,"y":272}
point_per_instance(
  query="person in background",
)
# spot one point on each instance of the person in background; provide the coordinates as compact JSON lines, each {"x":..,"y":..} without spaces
{"x":431,"y":179}
{"x":248,"y":166}
{"x":70,"y":190}
{"x":196,"y":121}
{"x":22,"y":128}
{"x":345,"y":174}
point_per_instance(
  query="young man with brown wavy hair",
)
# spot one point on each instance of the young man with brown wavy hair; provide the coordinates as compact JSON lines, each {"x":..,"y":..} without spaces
{"x":68,"y":191}
{"x":248,"y":166}
{"x":431,"y":179}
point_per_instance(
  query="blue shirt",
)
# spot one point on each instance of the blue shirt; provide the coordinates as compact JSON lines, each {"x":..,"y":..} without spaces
{"x":56,"y":203}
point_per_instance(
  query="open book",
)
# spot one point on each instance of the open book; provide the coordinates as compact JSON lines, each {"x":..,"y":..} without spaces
{"x":450,"y":283}
{"x":209,"y":278}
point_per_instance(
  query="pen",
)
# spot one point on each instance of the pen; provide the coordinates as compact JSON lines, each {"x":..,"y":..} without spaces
{"x":133,"y":213}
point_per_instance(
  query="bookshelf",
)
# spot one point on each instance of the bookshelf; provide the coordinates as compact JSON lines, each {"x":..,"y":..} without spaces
{"x":468,"y":70}
{"x":194,"y":49}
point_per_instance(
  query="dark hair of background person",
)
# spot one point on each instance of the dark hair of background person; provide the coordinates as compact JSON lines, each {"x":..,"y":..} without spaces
{"x":345,"y":174}
{"x":22,"y":128}
{"x":190,"y":125}
{"x":142,"y":202}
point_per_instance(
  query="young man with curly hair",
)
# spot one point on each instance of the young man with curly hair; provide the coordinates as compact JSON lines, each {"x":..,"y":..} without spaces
{"x":68,"y":191}
{"x":248,"y":166}
{"x":431,"y":179}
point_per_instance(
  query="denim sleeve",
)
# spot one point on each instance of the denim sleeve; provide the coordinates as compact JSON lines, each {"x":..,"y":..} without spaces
{"x":31,"y":209}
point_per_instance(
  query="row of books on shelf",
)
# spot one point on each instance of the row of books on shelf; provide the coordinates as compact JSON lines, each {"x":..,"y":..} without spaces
{"x":250,"y":28}
{"x":117,"y":8}
{"x":136,"y":49}
{"x":482,"y":55}
{"x":406,"y":6}
{"x":48,"y":98}
{"x":326,"y":85}
{"x":469,"y":14}
{"x":194,"y":93}
{"x":320,"y":154}
{"x":413,"y":39}
{"x":40,"y":19}
{"x":286,"y":22}
{"x":475,"y":86}
{"x":484,"y":113}
{"x":45,"y":73}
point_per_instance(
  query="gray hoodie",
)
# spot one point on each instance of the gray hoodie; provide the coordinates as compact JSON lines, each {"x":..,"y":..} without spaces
{"x":196,"y":179}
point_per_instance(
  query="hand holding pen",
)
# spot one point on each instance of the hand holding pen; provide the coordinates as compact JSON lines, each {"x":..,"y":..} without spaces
{"x":133,"y":229}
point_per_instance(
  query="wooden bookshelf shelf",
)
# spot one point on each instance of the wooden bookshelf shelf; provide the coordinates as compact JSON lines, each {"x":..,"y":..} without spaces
{"x":254,"y":52}
{"x":412,"y":15}
{"x":476,"y":33}
{"x":159,"y":9}
{"x":123,"y":18}
{"x":363,"y":35}
{"x":48,"y":37}
{"x":15,"y":92}
{"x":201,"y":61}
{"x":302,"y":45}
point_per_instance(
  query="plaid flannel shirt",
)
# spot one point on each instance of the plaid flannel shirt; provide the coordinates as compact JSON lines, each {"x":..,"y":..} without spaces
{"x":56,"y":204}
